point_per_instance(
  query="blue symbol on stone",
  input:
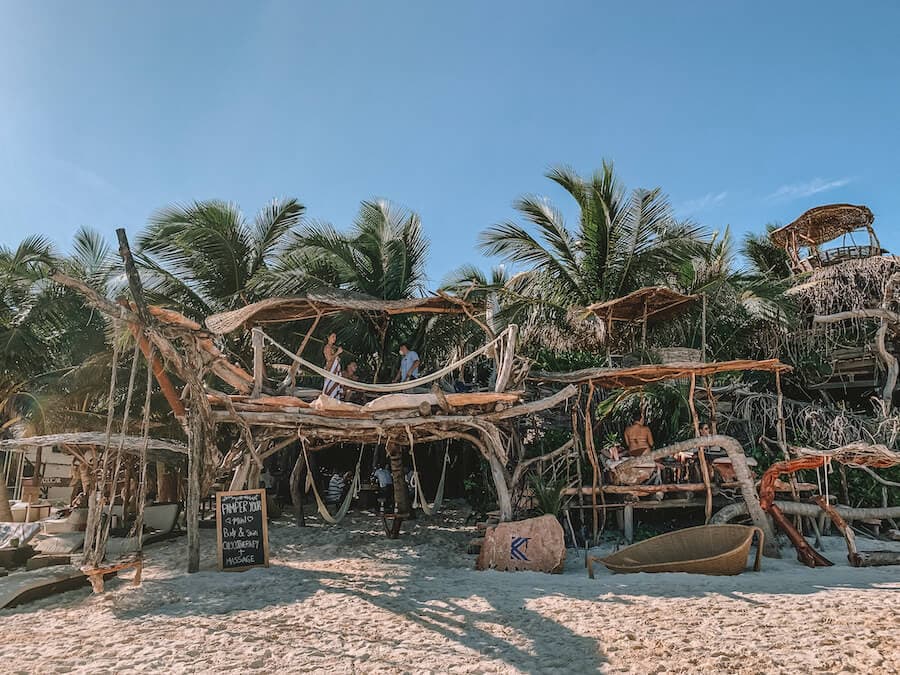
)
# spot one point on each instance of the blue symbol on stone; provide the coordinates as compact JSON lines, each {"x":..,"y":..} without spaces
{"x":515,"y":548}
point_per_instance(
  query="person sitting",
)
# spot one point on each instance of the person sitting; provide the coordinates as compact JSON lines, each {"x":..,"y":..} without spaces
{"x":352,"y":395}
{"x":335,"y":492}
{"x":639,"y":441}
{"x":409,"y":364}
{"x":638,"y":437}
{"x":332,"y":353}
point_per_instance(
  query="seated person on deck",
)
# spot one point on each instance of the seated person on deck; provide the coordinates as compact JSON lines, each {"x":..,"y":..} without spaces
{"x":638,"y":437}
{"x":639,"y":441}
{"x":353,"y":395}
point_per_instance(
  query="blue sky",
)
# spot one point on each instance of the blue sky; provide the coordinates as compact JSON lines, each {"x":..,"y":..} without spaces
{"x":743,"y":112}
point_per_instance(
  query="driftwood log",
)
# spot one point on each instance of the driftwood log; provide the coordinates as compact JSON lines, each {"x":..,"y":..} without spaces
{"x":805,"y":553}
{"x":744,"y":478}
{"x":856,"y":557}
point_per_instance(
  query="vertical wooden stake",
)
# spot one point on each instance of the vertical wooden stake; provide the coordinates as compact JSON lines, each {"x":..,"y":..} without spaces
{"x":259,"y":366}
{"x":701,"y":451}
{"x":703,"y":332}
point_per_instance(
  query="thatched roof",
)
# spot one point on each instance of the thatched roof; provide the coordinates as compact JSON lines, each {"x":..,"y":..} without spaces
{"x":658,"y":302}
{"x":823,"y":224}
{"x":167,"y":451}
{"x":311,"y":305}
{"x":613,"y":378}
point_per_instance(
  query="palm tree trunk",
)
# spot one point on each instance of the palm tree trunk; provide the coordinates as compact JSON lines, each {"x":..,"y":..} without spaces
{"x":5,"y":511}
{"x":401,"y":494}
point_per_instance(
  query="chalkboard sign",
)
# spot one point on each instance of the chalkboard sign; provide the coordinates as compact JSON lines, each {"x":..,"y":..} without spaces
{"x":242,"y":534}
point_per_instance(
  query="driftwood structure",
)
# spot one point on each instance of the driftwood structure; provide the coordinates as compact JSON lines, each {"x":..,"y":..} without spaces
{"x":277,"y":413}
{"x":642,"y":308}
{"x":858,"y":455}
{"x":821,"y":225}
{"x":268,"y":415}
{"x":639,"y":376}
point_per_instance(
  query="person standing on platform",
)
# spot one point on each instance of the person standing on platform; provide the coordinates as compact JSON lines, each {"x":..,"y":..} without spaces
{"x":332,"y":354}
{"x":409,"y":364}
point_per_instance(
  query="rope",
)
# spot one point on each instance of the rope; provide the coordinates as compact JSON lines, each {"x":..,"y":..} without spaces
{"x":435,"y":506}
{"x":92,"y":530}
{"x":99,"y":543}
{"x":389,"y":388}
{"x":138,"y":527}
{"x":351,"y":493}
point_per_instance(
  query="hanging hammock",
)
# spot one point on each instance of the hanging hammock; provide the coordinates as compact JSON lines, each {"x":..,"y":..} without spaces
{"x":351,"y":493}
{"x":435,"y":506}
{"x":387,"y":388}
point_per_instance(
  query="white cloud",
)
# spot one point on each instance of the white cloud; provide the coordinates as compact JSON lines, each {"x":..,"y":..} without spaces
{"x":810,"y":187}
{"x":707,"y":201}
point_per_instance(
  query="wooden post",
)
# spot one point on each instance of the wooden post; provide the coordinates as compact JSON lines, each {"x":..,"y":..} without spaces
{"x":780,"y":427}
{"x":134,"y":279}
{"x":595,"y":462}
{"x":290,"y":380}
{"x":703,"y":331}
{"x":196,"y":450}
{"x":509,"y":353}
{"x":297,"y":487}
{"x":259,"y":365}
{"x":402,"y":506}
{"x":644,"y":329}
{"x":628,"y":523}
{"x":701,"y":451}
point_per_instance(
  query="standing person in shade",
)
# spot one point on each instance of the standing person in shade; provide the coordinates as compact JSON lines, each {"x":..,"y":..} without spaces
{"x":332,"y":354}
{"x":409,"y":364}
{"x":385,"y":487}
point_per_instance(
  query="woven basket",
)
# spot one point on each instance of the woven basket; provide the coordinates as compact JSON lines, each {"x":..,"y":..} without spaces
{"x":707,"y":549}
{"x":678,"y":355}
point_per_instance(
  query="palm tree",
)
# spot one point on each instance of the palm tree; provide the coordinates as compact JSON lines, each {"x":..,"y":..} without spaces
{"x":742,"y":303}
{"x":382,"y":256}
{"x":621,"y":241}
{"x":205,"y":257}
{"x":764,"y":256}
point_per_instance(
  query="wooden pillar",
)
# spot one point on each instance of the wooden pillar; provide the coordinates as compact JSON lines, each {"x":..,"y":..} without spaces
{"x":701,"y":451}
{"x":401,"y":495}
{"x":703,"y":331}
{"x":196,"y":449}
{"x":259,"y":365}
{"x":644,"y":328}
{"x":628,"y":523}
{"x":780,"y":427}
{"x":509,"y":354}
{"x":298,"y":475}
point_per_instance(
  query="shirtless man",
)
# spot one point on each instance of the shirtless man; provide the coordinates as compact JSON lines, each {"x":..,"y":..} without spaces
{"x":638,"y":437}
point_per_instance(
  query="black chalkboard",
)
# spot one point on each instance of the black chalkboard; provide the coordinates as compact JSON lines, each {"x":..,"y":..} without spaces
{"x":242,"y":534}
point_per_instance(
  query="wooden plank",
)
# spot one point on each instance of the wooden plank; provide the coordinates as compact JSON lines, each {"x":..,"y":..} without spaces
{"x":19,"y":588}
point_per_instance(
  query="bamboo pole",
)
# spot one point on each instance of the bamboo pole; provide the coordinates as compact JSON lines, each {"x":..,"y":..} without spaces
{"x":259,"y":365}
{"x":703,"y":331}
{"x":701,"y":451}
{"x":291,"y":380}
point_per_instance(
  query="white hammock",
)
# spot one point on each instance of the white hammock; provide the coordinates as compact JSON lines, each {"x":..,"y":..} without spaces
{"x":351,"y":493}
{"x":435,"y":506}
{"x":387,"y":388}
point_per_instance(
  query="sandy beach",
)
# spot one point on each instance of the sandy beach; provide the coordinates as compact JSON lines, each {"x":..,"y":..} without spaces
{"x":344,"y":599}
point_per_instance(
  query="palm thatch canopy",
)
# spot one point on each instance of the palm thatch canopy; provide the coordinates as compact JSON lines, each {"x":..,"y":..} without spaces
{"x":324,"y":303}
{"x":822,"y":224}
{"x":651,"y":303}
{"x":636,"y":376}
{"x":171,"y":452}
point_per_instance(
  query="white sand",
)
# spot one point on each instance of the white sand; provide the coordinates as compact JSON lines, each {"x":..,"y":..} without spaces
{"x":344,"y":599}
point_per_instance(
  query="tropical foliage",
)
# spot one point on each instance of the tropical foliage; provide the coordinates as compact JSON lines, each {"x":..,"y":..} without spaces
{"x":205,"y":257}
